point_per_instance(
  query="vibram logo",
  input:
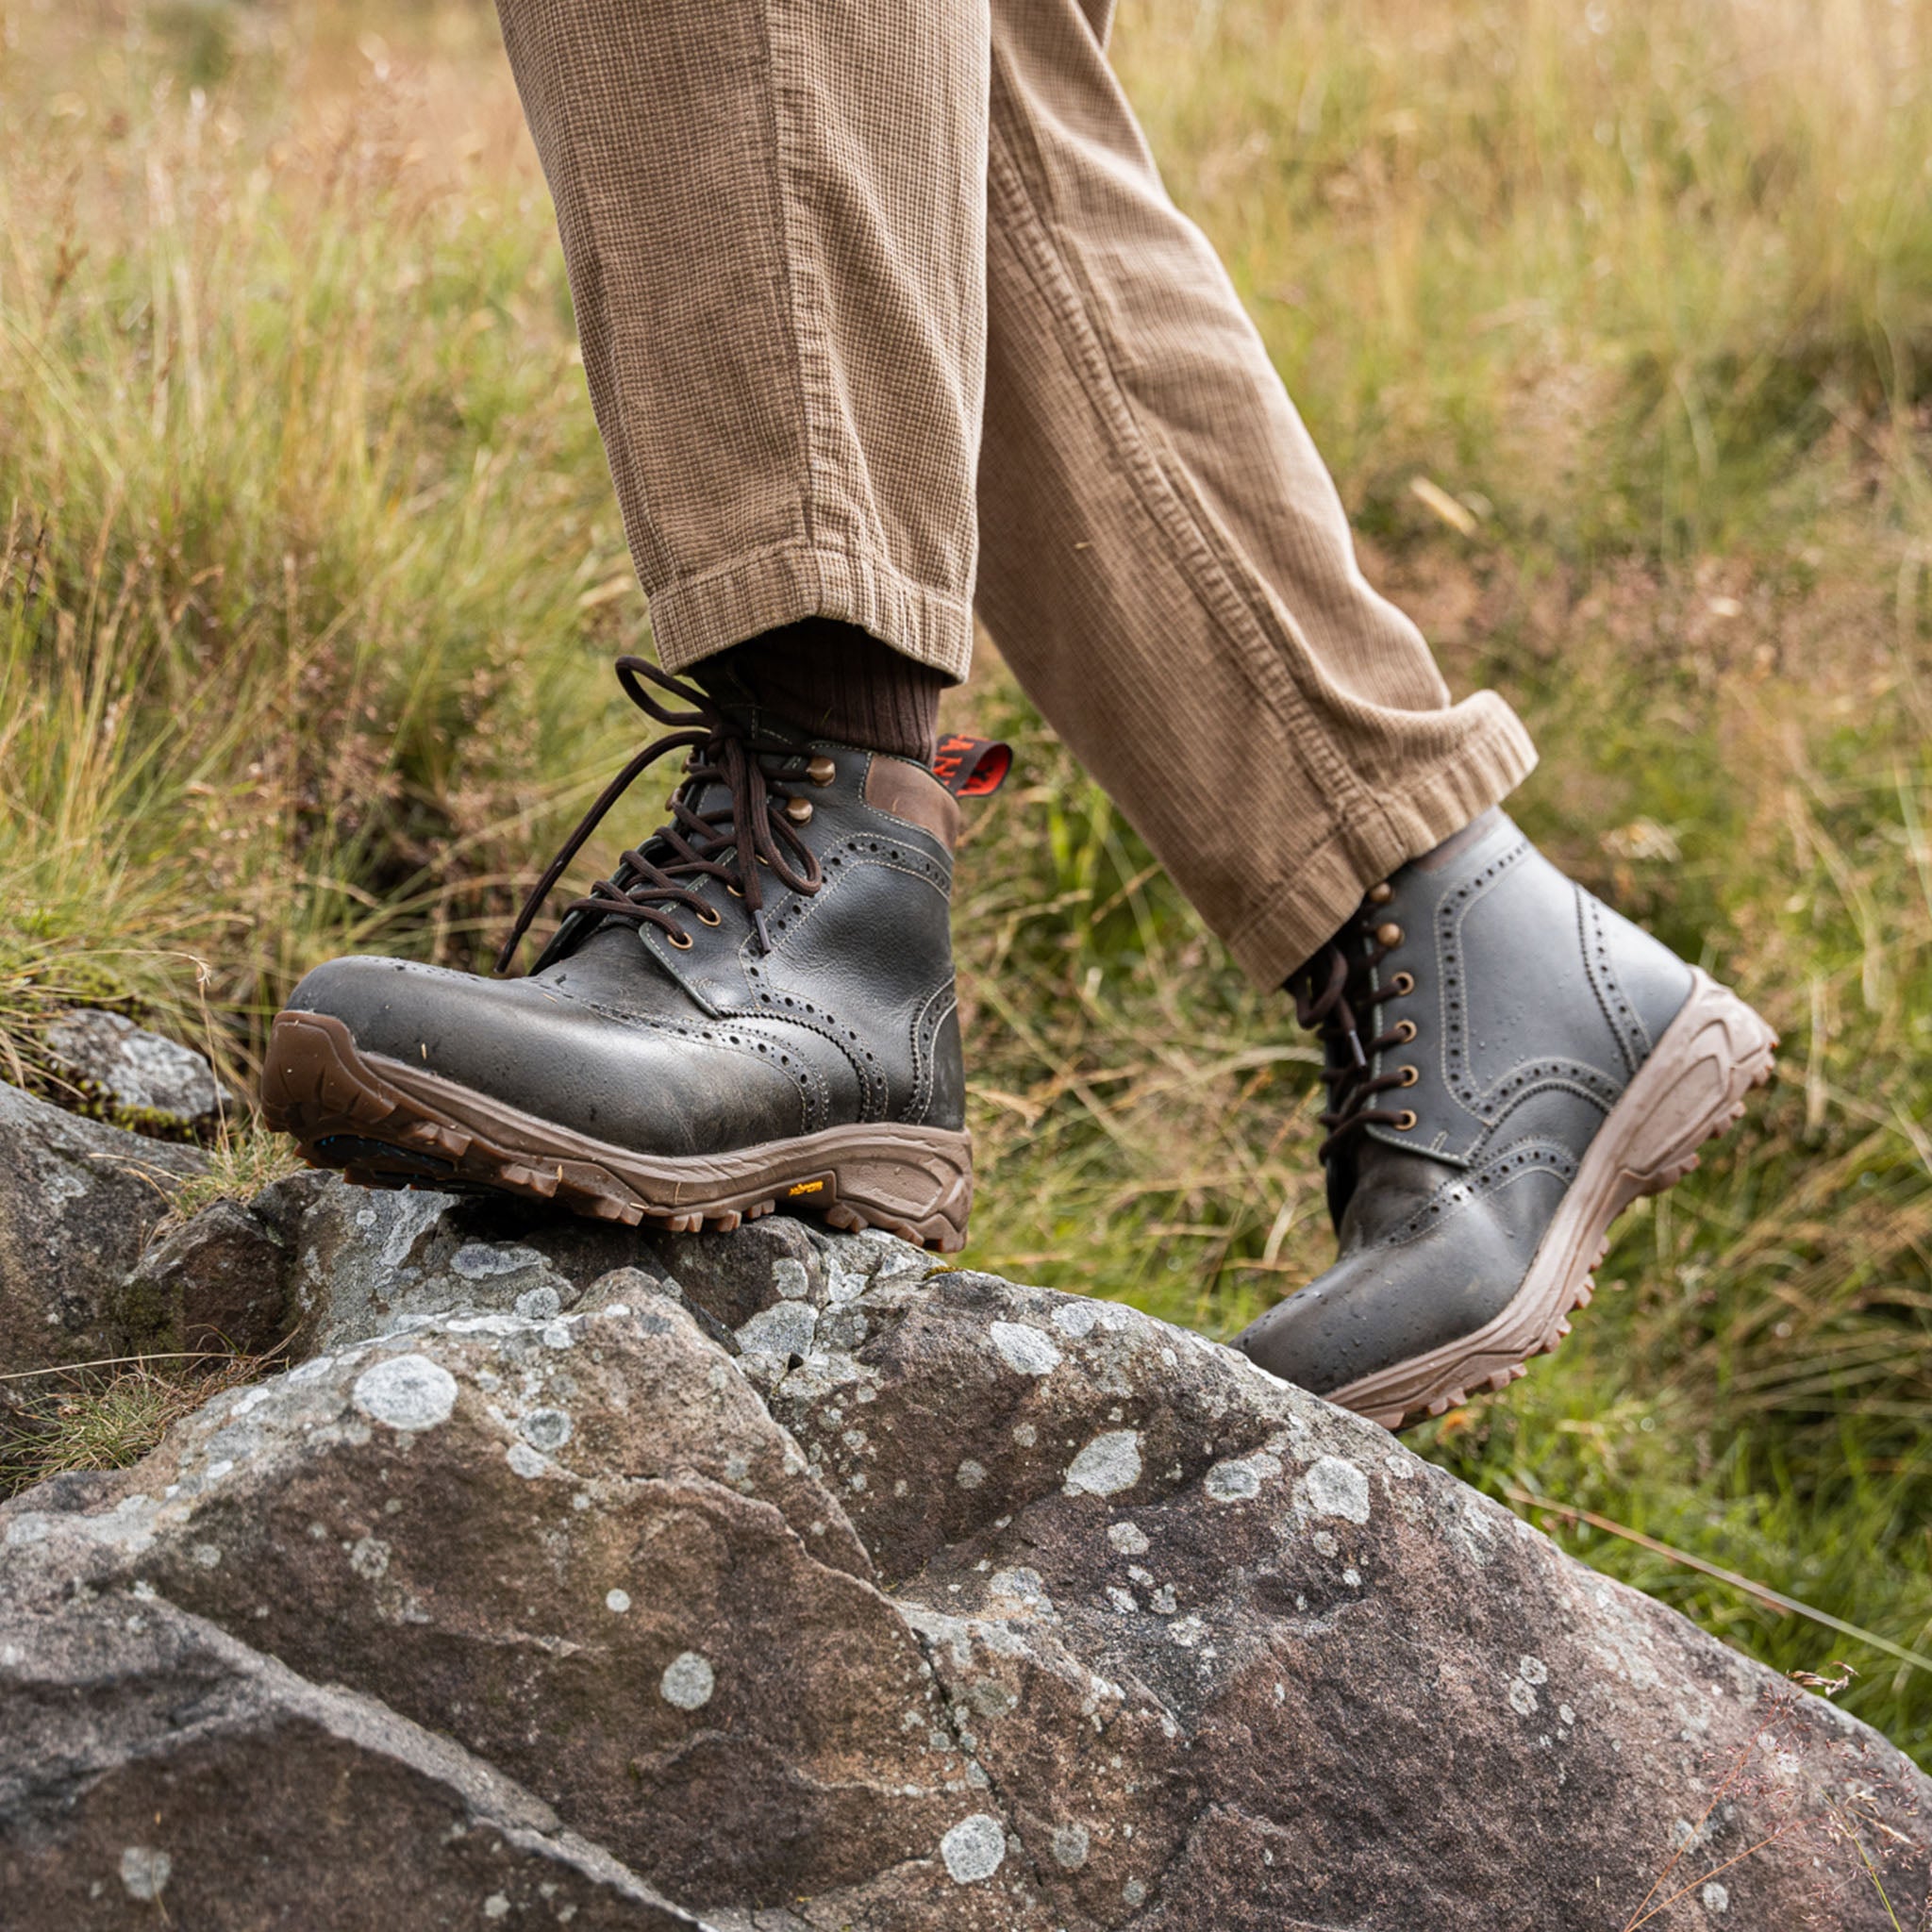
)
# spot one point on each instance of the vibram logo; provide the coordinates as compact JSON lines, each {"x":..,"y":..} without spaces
{"x":798,"y":1187}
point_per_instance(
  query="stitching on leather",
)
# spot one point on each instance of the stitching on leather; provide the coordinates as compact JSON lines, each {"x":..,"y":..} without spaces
{"x":926,"y":1057}
{"x":819,"y":1086}
{"x":717,"y":1035}
{"x":809,"y":1017}
{"x":1513,"y":1163}
{"x":1631,"y":1035}
{"x":1481,"y":1148}
{"x":1451,"y":1010}
{"x":799,"y":906}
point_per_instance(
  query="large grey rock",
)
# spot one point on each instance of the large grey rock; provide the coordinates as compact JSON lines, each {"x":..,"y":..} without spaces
{"x":134,"y":1079}
{"x":947,"y":1602}
{"x":159,"y":1771}
{"x":359,"y":1261}
{"x":312,"y":1264}
{"x":78,"y":1201}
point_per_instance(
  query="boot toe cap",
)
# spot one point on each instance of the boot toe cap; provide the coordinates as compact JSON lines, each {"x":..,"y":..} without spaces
{"x":520,"y":1044}
{"x":1387,"y":1304}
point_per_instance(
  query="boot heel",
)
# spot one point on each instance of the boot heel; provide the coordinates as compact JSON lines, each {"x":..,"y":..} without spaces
{"x":919,"y":1188}
{"x":1692,"y":1089}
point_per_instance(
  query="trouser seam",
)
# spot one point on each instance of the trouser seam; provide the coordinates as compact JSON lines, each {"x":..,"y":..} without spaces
{"x":781,"y":120}
{"x":1201,"y":565}
{"x":802,"y":278}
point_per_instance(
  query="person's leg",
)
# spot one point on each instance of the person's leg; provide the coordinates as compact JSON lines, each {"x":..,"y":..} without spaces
{"x":774,"y":222}
{"x":773,"y":214}
{"x":1165,"y":563}
{"x":1167,"y":568}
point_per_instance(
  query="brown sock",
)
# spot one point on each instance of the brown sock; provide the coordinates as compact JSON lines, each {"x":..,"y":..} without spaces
{"x":836,"y":681}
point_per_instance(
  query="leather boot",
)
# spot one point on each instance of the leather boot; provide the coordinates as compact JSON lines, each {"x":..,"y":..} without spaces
{"x":1509,"y":1065}
{"x":757,"y":1010}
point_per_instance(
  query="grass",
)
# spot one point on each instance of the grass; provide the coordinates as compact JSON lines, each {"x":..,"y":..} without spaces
{"x":108,"y":1415}
{"x":1616,"y":325}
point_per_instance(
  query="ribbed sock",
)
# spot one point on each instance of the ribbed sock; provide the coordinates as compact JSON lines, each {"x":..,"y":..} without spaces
{"x":836,"y":681}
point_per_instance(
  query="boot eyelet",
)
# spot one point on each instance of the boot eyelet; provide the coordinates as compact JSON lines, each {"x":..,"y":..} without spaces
{"x":736,"y":891}
{"x":1380,"y":895}
{"x":708,"y":917}
{"x":1404,"y":1121}
{"x":1404,"y":983}
{"x":821,"y":770}
{"x":1389,"y":934}
{"x":682,"y":941}
{"x":1410,"y":1077}
{"x":1405,"y":1031}
{"x":798,"y":810}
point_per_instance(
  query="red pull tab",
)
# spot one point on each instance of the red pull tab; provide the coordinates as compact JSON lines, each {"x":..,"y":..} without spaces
{"x":972,"y":767}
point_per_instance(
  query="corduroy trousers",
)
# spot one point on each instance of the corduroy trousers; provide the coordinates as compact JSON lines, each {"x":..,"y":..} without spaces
{"x":887,"y":317}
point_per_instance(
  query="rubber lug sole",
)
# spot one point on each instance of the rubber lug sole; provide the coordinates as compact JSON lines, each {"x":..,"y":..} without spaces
{"x":385,"y":1125}
{"x":1692,"y":1089}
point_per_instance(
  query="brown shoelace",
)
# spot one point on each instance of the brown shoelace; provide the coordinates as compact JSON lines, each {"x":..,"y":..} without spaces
{"x":733,"y":843}
{"x":1329,"y":993}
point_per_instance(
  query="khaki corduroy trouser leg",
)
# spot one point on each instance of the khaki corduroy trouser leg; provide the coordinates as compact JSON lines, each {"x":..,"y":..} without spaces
{"x":875,"y":295}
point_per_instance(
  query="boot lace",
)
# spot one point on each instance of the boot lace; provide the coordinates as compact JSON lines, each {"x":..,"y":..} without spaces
{"x":661,"y":882}
{"x":1334,"y":994}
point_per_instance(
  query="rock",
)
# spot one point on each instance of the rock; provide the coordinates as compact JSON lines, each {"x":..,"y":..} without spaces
{"x":947,"y":1603}
{"x":573,"y":1545}
{"x":217,"y":1282}
{"x":159,"y":1771}
{"x":133,"y":1078}
{"x":360,"y":1259}
{"x":78,"y":1201}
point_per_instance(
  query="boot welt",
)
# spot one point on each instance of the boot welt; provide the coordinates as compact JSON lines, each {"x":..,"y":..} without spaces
{"x":390,"y":1125}
{"x":1690,"y":1090}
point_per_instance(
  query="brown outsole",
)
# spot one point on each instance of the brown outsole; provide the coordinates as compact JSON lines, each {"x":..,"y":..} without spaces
{"x":386,"y":1125}
{"x":1690,"y":1090}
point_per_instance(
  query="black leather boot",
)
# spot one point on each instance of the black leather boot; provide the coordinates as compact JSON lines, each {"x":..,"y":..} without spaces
{"x":1509,"y":1065}
{"x":756,"y":1011}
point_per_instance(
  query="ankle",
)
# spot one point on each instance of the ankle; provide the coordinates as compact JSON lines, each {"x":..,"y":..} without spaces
{"x":835,"y":680}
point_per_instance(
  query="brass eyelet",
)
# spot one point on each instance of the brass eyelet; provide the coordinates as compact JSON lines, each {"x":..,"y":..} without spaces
{"x":1389,"y":934}
{"x":682,"y":941}
{"x":1410,"y":1077}
{"x":1405,"y":1031}
{"x":1403,"y":983}
{"x":708,"y":917}
{"x":1404,"y":1121}
{"x":736,"y":891}
{"x":1380,"y":895}
{"x":821,"y":770}
{"x":798,"y":810}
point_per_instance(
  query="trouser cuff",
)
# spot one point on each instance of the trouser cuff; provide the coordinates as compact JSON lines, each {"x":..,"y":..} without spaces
{"x":695,"y":618}
{"x":1301,"y":910}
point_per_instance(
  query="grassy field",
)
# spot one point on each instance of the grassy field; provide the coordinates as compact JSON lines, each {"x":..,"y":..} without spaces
{"x":310,"y":571}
